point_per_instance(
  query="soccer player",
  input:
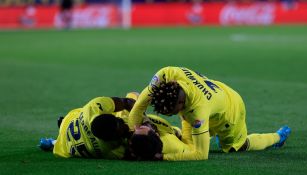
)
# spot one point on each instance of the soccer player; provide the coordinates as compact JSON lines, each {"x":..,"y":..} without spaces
{"x":206,"y":107}
{"x":156,"y":137}
{"x":97,"y":130}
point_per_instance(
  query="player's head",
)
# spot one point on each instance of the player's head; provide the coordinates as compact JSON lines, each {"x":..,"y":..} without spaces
{"x":167,"y":98}
{"x":145,"y":143}
{"x":108,"y":127}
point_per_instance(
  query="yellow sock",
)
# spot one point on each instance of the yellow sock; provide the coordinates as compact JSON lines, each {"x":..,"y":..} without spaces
{"x":262,"y":141}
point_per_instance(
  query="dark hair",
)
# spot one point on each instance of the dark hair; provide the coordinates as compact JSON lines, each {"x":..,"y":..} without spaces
{"x":164,"y":97}
{"x":145,"y":147}
{"x":108,"y":127}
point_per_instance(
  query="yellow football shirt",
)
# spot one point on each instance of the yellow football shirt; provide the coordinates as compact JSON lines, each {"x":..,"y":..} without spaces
{"x":209,"y":105}
{"x":76,"y":139}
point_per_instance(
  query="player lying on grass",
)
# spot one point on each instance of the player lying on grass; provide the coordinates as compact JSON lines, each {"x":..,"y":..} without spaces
{"x":97,"y":130}
{"x":206,"y":107}
{"x":156,"y":137}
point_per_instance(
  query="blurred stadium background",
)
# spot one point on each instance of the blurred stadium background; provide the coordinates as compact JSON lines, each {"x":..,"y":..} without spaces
{"x":134,"y":13}
{"x":56,"y":56}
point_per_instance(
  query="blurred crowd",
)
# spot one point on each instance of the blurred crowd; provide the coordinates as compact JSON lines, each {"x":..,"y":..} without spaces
{"x":57,"y":2}
{"x":32,"y":2}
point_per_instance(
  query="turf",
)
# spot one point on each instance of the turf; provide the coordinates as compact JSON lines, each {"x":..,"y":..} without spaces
{"x":45,"y":73}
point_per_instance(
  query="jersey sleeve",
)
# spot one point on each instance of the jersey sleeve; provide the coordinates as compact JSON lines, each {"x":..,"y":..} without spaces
{"x":195,"y":133}
{"x":163,"y":126}
{"x":200,"y":150}
{"x":140,"y":106}
{"x":200,"y":120}
{"x":171,"y":144}
{"x":186,"y":132}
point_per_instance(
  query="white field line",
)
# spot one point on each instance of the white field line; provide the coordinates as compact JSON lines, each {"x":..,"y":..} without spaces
{"x":267,"y":38}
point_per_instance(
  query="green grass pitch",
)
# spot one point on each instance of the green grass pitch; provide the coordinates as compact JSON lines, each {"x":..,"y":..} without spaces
{"x":44,"y":74}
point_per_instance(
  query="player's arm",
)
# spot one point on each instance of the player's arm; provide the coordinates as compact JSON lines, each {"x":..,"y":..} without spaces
{"x":140,"y":106}
{"x":136,"y":114}
{"x":123,"y":103}
{"x":199,"y":132}
{"x":186,"y":132}
{"x":201,"y":143}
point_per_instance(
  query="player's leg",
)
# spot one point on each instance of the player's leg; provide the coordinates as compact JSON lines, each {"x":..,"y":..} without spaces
{"x":242,"y":142}
{"x":256,"y":142}
{"x":262,"y":141}
{"x":236,"y":134}
{"x":253,"y":142}
{"x":233,"y":134}
{"x":284,"y":133}
{"x":47,"y":144}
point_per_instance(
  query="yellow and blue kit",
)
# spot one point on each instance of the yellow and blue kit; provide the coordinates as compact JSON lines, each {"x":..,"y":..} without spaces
{"x":75,"y":138}
{"x":210,"y":107}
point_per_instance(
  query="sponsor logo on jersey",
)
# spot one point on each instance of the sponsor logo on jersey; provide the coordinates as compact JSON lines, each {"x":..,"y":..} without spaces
{"x":211,"y":85}
{"x":154,"y":81}
{"x":198,"y":123}
{"x":99,"y":106}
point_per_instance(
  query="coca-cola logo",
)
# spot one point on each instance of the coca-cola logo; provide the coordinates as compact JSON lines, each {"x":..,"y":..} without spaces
{"x":91,"y":16}
{"x":254,"y":14}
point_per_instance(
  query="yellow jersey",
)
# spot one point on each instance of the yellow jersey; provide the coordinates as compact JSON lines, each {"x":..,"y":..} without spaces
{"x":75,"y":138}
{"x":167,"y":133}
{"x":209,"y":106}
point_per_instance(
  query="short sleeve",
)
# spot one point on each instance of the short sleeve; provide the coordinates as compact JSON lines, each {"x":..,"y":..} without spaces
{"x":200,"y":121}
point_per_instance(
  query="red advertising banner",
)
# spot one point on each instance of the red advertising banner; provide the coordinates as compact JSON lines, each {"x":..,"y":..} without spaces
{"x":47,"y":17}
{"x":219,"y":14}
{"x":159,"y":14}
{"x":92,"y":16}
{"x":17,"y":17}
